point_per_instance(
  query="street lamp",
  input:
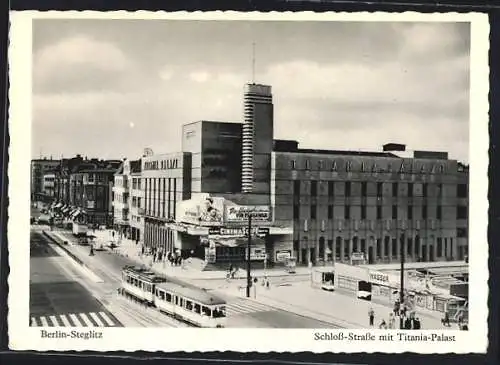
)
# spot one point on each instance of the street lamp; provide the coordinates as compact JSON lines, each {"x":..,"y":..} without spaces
{"x":249,"y":242}
{"x":401,"y":278}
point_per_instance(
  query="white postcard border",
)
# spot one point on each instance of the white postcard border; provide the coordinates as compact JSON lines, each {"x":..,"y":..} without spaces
{"x":22,"y":337}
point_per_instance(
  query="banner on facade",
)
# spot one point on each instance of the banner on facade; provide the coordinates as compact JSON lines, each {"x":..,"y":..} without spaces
{"x":379,"y":278}
{"x":241,"y":213}
{"x":238,"y":231}
{"x":203,"y":210}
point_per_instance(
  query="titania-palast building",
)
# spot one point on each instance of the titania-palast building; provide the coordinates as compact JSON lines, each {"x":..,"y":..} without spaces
{"x":313,"y":205}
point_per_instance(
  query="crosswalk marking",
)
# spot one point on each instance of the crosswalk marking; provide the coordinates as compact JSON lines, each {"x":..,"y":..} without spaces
{"x":54,"y":321}
{"x":241,"y":307}
{"x":97,"y":319}
{"x":65,"y":321}
{"x":108,"y":321}
{"x":75,"y":320}
{"x":85,"y":320}
{"x":92,"y":319}
{"x":44,"y":321}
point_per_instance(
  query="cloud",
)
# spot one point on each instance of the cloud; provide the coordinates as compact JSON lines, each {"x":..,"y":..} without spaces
{"x":78,"y":63}
{"x":165,"y":74}
{"x":199,"y":76}
{"x":354,"y":86}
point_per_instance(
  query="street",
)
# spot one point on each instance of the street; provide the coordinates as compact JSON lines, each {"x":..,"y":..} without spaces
{"x":56,"y":297}
{"x":241,"y":312}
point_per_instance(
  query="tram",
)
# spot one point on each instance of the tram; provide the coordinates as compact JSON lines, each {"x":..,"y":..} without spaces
{"x":182,"y":301}
{"x":139,"y":282}
{"x":195,"y":306}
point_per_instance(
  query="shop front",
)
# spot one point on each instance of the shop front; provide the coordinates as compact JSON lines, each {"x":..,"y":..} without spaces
{"x":217,"y":230}
{"x":354,"y":280}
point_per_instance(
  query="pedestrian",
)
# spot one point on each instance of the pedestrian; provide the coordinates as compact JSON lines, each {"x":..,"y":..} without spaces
{"x":267,"y":284}
{"x":446,"y":319}
{"x":383,"y":325}
{"x":371,"y":316}
{"x":407,"y":323}
{"x":416,"y":324}
{"x":392,"y":320}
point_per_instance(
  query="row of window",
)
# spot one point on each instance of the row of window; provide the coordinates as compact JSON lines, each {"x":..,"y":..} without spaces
{"x":461,"y":191}
{"x":160,"y":196}
{"x":461,"y":212}
{"x":136,"y":183}
{"x":389,"y":246}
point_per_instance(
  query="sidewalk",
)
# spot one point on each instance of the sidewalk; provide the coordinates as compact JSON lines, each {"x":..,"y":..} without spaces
{"x":343,"y":309}
{"x":190,"y":270}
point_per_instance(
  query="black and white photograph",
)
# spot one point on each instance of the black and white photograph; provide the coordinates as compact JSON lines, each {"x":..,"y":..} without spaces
{"x":241,"y":173}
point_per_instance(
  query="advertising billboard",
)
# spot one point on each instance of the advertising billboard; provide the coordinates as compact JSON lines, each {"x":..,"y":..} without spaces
{"x":203,"y":210}
{"x":241,"y":213}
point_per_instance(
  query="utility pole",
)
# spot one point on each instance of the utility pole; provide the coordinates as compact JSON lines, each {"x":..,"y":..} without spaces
{"x":249,"y":242}
{"x":402,"y":277}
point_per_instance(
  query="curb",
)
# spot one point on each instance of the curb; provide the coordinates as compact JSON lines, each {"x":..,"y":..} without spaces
{"x":70,"y":254}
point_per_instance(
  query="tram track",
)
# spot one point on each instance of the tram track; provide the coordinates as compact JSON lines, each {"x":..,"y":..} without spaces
{"x":146,"y":316}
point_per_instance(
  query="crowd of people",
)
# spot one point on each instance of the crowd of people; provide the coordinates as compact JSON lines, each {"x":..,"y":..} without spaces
{"x":401,"y":316}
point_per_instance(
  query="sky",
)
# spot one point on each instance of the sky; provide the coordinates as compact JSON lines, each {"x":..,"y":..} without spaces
{"x":110,"y":88}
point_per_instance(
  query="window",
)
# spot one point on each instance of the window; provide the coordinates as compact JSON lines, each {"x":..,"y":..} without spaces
{"x":394,"y":189}
{"x":330,"y":188}
{"x":379,"y":212}
{"x":461,"y":212}
{"x":461,"y":232}
{"x":394,"y":212}
{"x":313,"y":211}
{"x":462,"y":191}
{"x":410,"y":212}
{"x":440,"y":190}
{"x":347,"y":212}
{"x":363,"y":189}
{"x":424,"y":212}
{"x":296,"y":211}
{"x":439,"y":212}
{"x":294,"y":164}
{"x":296,"y":187}
{"x":348,"y":188}
{"x":379,"y":189}
{"x":308,"y":165}
{"x":410,"y":190}
{"x":386,"y":245}
{"x":330,"y":212}
{"x":314,"y":188}
{"x":439,"y":246}
{"x":363,"y":212}
{"x":394,"y":247}
{"x":424,"y":190}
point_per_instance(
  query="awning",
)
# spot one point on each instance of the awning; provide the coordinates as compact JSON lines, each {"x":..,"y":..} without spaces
{"x":58,"y":205}
{"x":225,"y":242}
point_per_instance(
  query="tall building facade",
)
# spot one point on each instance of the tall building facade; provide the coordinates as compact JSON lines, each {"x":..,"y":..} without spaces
{"x":257,"y":138}
{"x":318,"y":206}
{"x":136,"y":221}
{"x":215,"y":148}
{"x":166,"y":180}
{"x":83,"y":189}
{"x":125,"y":209}
{"x":39,"y":167}
{"x":375,"y":204}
